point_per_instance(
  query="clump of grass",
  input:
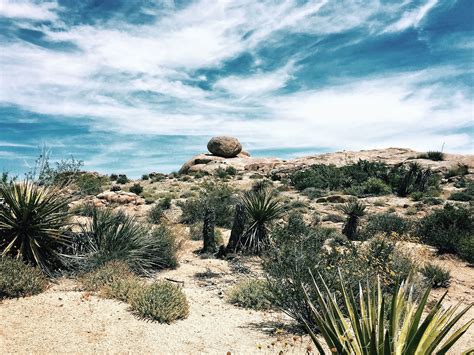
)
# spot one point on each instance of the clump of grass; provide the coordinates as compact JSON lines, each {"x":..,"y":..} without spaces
{"x":90,"y":184}
{"x":84,"y":209}
{"x":109,"y":273}
{"x":251,"y":293}
{"x":19,"y":280}
{"x":432,"y":155}
{"x":155,"y":214}
{"x":161,"y":301}
{"x":436,"y":275}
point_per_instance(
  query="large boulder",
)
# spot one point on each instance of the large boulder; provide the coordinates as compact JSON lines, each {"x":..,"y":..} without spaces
{"x":226,"y":147}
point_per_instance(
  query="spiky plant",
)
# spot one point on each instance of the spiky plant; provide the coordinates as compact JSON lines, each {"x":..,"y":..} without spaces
{"x":261,"y":208}
{"x":353,"y":210}
{"x":377,"y":325}
{"x":33,"y":220}
{"x":112,"y":236}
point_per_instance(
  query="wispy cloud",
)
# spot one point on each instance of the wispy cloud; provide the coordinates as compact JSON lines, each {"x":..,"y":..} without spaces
{"x":24,"y":9}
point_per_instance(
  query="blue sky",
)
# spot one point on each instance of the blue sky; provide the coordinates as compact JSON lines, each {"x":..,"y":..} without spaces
{"x":140,"y":86}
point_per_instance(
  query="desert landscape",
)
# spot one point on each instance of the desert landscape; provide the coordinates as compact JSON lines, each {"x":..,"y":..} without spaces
{"x":238,"y":297}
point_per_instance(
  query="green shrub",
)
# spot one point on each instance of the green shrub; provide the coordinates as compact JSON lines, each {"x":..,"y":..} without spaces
{"x":417,"y":195}
{"x":353,"y":210}
{"x":313,"y":193}
{"x":297,"y":248}
{"x":33,"y":222}
{"x":90,"y":184}
{"x":460,"y":196}
{"x":155,"y":214}
{"x":386,"y":224}
{"x":113,"y":177}
{"x":414,"y":178}
{"x":122,"y":289}
{"x":110,"y":236}
{"x":218,"y":196}
{"x":251,"y":293}
{"x":145,"y":177}
{"x":136,"y":189}
{"x":231,"y":171}
{"x":165,"y":203}
{"x":19,"y":280}
{"x":122,"y":179}
{"x":84,"y":209}
{"x":160,"y":301}
{"x":376,"y":186}
{"x":458,"y":170}
{"x":448,"y":229}
{"x":437,"y":276}
{"x":107,"y":274}
{"x":432,"y":155}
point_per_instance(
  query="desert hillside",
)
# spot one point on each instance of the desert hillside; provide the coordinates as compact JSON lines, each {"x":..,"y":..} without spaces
{"x":386,"y":212}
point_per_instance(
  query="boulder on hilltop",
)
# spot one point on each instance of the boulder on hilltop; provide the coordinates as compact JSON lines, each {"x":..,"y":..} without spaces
{"x":225,"y":147}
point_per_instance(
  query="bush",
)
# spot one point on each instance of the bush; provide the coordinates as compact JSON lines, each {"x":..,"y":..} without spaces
{"x":218,"y":196}
{"x":90,"y":184}
{"x":160,"y":301}
{"x":432,"y":155}
{"x":33,"y":221}
{"x":458,"y":170}
{"x":386,"y":224}
{"x":109,"y":273}
{"x":19,"y":280}
{"x":122,"y":179}
{"x":155,"y":214}
{"x":298,"y":248}
{"x":145,"y":177}
{"x":113,"y":177}
{"x":111,"y":236}
{"x":449,"y":229}
{"x":353,"y":211}
{"x":437,"y":276}
{"x":136,"y":189}
{"x":460,"y":196}
{"x":407,"y":180}
{"x":85,"y":209}
{"x":251,"y":293}
{"x":165,"y":203}
{"x":376,"y":186}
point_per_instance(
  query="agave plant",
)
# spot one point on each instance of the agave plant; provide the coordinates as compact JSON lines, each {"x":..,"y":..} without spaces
{"x":33,"y":220}
{"x":261,"y":208}
{"x":354,"y":210}
{"x":373,"y":328}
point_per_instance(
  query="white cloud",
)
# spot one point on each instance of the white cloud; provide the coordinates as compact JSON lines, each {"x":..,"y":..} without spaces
{"x":412,"y":18}
{"x":28,"y":9}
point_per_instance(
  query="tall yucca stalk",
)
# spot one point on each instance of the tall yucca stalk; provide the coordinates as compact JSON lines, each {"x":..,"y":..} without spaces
{"x":372,"y":328}
{"x":261,"y":208}
{"x":32,"y":223}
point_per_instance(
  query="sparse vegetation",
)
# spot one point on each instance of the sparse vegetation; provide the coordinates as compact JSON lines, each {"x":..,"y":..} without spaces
{"x":432,"y":155}
{"x":136,"y":189}
{"x":353,"y":210}
{"x":19,"y":280}
{"x":155,"y":214}
{"x":386,"y":224}
{"x":90,"y":184}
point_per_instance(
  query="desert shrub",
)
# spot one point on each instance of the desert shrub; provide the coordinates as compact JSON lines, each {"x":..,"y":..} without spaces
{"x":458,"y":170}
{"x":115,"y":188}
{"x":122,"y":289}
{"x":33,"y":221}
{"x":436,"y":275}
{"x":160,"y":301}
{"x":107,"y":274}
{"x":113,"y":177}
{"x":332,"y":217}
{"x":195,"y":231}
{"x":90,"y":184}
{"x":432,"y":155}
{"x":313,"y":193}
{"x":460,"y":196}
{"x":298,"y":248}
{"x":417,"y":195}
{"x":465,"y":249}
{"x":145,"y":177}
{"x":218,"y":196}
{"x":414,"y":178}
{"x":251,"y":293}
{"x":448,"y":229}
{"x":320,"y":176}
{"x":136,"y":189}
{"x":231,"y":171}
{"x":122,"y":179}
{"x":386,"y":224}
{"x":165,"y":202}
{"x":376,"y":186}
{"x":110,"y":236}
{"x":84,"y":209}
{"x":155,"y":214}
{"x":19,"y":280}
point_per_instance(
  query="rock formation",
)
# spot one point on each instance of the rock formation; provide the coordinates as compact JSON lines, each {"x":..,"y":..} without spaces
{"x":225,"y":147}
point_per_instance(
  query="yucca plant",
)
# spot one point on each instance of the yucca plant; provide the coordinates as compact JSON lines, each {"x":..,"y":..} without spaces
{"x":376,"y":325}
{"x":33,"y":220}
{"x":354,"y":210}
{"x":261,"y":208}
{"x":113,"y":236}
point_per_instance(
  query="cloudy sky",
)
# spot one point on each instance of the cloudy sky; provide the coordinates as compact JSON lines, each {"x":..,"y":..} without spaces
{"x":139,"y":86}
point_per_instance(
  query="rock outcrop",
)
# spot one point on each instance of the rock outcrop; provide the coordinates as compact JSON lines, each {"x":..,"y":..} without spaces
{"x":225,"y":147}
{"x":121,"y":197}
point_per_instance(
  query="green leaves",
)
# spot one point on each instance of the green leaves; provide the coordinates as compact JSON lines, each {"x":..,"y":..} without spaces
{"x":370,"y":328}
{"x":32,"y":223}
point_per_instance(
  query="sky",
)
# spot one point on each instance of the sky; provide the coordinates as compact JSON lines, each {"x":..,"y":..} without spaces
{"x":140,"y":86}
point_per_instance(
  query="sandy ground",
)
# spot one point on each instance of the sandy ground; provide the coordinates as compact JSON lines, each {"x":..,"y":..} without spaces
{"x":63,"y":320}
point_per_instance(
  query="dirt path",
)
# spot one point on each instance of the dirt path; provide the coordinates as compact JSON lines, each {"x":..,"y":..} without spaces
{"x":63,"y":320}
